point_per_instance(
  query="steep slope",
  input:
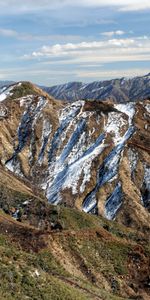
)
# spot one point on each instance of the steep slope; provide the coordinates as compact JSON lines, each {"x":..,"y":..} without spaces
{"x":90,"y":155}
{"x":120,"y":90}
{"x":90,"y":258}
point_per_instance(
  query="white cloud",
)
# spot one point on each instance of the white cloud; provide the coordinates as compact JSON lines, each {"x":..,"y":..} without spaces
{"x":112,"y":33}
{"x":84,"y":48}
{"x":8,"y":32}
{"x":136,"y":7}
{"x":103,"y":51}
{"x":112,"y":73}
{"x":15,"y":6}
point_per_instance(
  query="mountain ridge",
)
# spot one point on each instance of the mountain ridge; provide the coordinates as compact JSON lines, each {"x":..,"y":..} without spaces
{"x":119,"y":90}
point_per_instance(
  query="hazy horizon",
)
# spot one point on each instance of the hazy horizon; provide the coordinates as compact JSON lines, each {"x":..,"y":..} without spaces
{"x":66,"y":82}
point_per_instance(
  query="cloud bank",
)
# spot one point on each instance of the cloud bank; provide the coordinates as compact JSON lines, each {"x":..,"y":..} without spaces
{"x":15,"y":6}
{"x":103,"y":51}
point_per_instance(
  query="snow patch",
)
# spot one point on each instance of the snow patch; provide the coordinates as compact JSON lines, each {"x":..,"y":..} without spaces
{"x":128,"y":109}
{"x":26,"y":101}
{"x":114,"y":126}
{"x":107,"y":171}
{"x":147,"y":107}
{"x":14,"y":166}
{"x":70,"y":109}
{"x":147,"y":176}
{"x":133,"y":159}
{"x":68,"y":176}
{"x":81,"y":165}
{"x":113,"y":203}
{"x":6,"y":91}
{"x":3,"y":111}
{"x":47,"y":129}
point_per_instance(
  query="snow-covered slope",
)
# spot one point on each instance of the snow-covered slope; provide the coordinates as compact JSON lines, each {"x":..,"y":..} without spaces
{"x":89,"y":155}
{"x":7,"y":91}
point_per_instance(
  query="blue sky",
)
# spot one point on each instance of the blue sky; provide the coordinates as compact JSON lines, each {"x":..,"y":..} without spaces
{"x":53,"y":42}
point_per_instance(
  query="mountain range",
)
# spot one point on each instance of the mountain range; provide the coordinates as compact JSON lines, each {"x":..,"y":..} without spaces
{"x":75,"y":193}
{"x":119,"y":90}
{"x":5,"y":83}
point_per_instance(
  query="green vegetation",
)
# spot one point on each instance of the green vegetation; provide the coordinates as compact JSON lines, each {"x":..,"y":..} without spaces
{"x":29,"y":276}
{"x":39,"y":276}
{"x":10,"y":200}
{"x":38,"y":262}
{"x":26,"y":88}
{"x":76,"y":220}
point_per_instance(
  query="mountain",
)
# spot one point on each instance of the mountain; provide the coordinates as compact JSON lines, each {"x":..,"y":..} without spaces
{"x":75,"y":197}
{"x":5,"y":83}
{"x":119,"y":90}
{"x":81,"y":154}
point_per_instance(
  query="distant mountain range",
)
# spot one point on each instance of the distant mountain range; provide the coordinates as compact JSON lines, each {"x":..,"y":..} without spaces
{"x":119,"y":90}
{"x":5,"y":83}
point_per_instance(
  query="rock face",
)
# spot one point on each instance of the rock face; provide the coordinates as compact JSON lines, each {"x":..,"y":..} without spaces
{"x":90,"y":155}
{"x":120,"y":90}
